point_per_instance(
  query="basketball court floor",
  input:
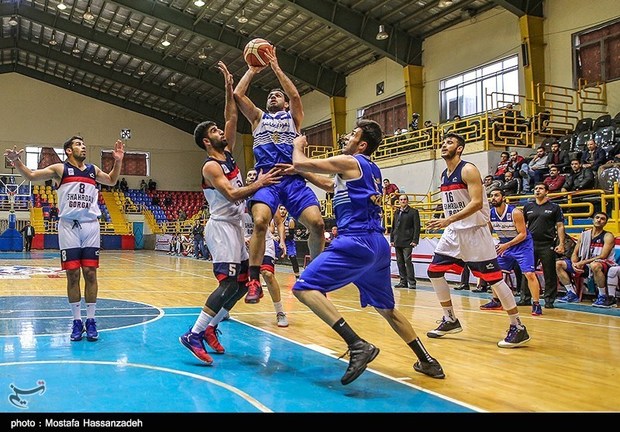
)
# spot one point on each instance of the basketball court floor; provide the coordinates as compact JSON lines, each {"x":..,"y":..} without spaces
{"x":148,"y":299}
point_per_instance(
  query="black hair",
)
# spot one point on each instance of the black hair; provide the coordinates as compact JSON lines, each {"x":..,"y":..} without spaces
{"x":67,"y":144}
{"x":460,"y":139}
{"x":501,"y":191}
{"x":600,"y":213}
{"x":200,"y":132}
{"x":286,"y":98}
{"x":545,"y":185}
{"x":371,"y":133}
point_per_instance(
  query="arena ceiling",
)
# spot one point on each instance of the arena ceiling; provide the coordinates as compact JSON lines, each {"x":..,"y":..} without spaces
{"x":114,"y":50}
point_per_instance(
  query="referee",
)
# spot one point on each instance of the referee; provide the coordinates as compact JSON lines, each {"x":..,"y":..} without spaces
{"x":545,"y":221}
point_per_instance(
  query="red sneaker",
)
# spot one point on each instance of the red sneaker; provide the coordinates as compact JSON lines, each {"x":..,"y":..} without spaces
{"x":210,"y":336}
{"x":255,"y":291}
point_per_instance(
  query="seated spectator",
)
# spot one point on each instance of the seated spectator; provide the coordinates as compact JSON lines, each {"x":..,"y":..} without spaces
{"x":167,"y":201}
{"x":490,"y":183}
{"x":428,"y":124}
{"x":538,"y":166}
{"x":124,"y":186}
{"x":502,"y":166}
{"x":593,"y":256}
{"x":182,"y":215}
{"x":580,"y":179}
{"x":143,"y":186}
{"x":511,"y":184}
{"x":155,"y":200}
{"x":519,"y":166}
{"x":53,"y":213}
{"x":555,"y":180}
{"x":390,"y":192}
{"x":152,"y":185}
{"x":594,"y":157}
{"x":331,"y":235}
{"x":176,"y":244}
{"x":558,"y":158}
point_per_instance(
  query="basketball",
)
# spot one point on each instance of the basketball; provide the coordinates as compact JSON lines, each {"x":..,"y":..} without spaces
{"x":254,"y":52}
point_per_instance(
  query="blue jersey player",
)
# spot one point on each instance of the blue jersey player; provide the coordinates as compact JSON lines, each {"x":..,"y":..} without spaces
{"x":516,"y":246}
{"x":360,"y":254}
{"x":274,"y":130}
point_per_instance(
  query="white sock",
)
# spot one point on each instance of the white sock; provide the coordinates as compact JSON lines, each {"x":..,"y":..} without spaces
{"x":90,"y":310}
{"x":76,"y":310}
{"x":218,"y":317}
{"x":278,"y":306}
{"x":569,"y":287}
{"x":201,"y":322}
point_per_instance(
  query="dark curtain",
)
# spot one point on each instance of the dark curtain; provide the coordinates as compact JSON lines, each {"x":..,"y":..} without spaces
{"x":133,"y":163}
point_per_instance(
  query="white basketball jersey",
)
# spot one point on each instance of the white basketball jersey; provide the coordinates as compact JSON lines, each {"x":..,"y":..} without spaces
{"x":78,"y":194}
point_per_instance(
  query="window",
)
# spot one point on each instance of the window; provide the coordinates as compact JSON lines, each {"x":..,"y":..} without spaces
{"x":596,"y":53}
{"x":134,"y":163}
{"x":466,"y":94}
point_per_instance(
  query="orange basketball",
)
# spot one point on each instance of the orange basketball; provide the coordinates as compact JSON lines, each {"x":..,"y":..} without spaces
{"x":254,"y":52}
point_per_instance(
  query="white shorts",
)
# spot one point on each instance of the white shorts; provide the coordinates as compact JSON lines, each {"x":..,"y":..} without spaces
{"x":225,"y":241}
{"x":78,"y":235}
{"x":470,"y":244}
{"x":79,"y":243}
{"x":270,"y":248}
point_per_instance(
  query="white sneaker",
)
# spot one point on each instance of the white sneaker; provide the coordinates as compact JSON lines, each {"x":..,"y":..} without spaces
{"x":281,"y":318}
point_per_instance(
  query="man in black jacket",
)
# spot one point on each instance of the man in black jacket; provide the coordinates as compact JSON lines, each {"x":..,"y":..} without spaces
{"x":28,"y":232}
{"x":405,"y":235}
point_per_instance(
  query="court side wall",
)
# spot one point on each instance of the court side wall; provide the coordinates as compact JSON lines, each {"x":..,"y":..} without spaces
{"x":40,"y":114}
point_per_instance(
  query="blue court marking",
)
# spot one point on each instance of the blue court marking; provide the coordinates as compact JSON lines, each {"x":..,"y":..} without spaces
{"x":50,"y":315}
{"x":30,"y":255}
{"x":144,"y":368}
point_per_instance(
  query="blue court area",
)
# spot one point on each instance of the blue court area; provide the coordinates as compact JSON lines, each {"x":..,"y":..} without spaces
{"x":139,"y":366}
{"x":36,"y":254}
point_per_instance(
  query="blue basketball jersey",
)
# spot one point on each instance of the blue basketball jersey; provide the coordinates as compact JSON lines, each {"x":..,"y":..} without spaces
{"x":354,"y":202}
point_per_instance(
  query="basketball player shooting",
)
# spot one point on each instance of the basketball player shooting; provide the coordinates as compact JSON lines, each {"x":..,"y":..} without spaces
{"x":273,"y":131}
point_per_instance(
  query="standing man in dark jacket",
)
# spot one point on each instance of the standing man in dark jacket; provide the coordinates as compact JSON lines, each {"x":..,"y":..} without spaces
{"x":28,"y":232}
{"x":405,"y":235}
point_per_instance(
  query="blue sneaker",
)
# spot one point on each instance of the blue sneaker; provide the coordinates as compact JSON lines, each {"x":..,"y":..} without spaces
{"x":91,"y":330}
{"x":600,"y":301}
{"x":536,"y":309}
{"x":570,"y":297}
{"x":193,"y":342}
{"x":515,"y":337}
{"x":78,"y":330}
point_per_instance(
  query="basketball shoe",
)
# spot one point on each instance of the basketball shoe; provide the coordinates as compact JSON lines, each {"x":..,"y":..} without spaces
{"x":431,"y":368}
{"x":78,"y":330}
{"x":193,"y":342}
{"x":514,"y":338}
{"x":281,"y":319}
{"x":255,"y":291}
{"x":91,"y":330}
{"x":445,"y":327}
{"x":210,"y":337}
{"x":360,"y":354}
{"x":494,"y":304}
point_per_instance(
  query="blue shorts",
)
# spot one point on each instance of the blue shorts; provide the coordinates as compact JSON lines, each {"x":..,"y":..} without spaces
{"x":291,"y":247}
{"x":362,"y":260}
{"x":292,"y":192}
{"x":522,"y":254}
